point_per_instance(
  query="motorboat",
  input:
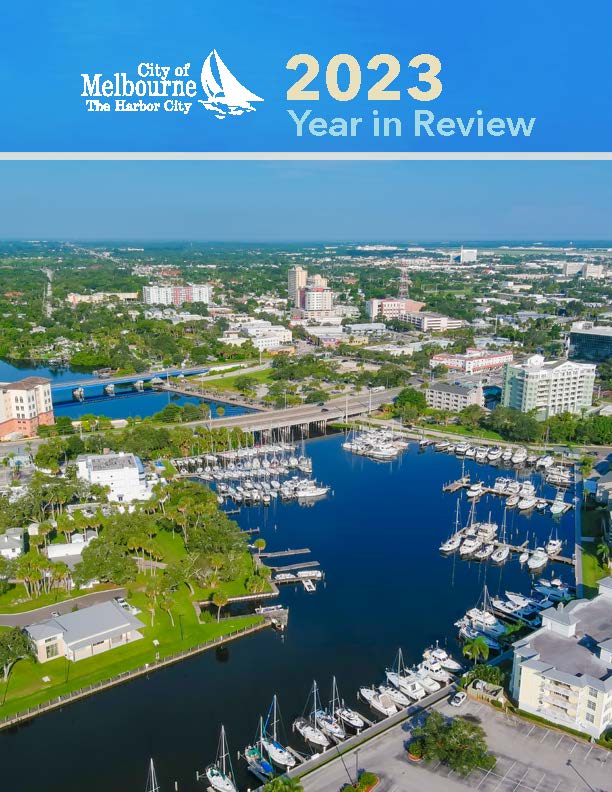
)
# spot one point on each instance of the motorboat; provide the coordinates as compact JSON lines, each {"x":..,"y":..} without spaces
{"x":441,"y":445}
{"x":379,"y":702}
{"x":554,"y":590}
{"x":461,"y":449}
{"x":545,"y":462}
{"x":277,"y":753}
{"x":402,"y":680}
{"x":524,"y":557}
{"x":395,"y":694}
{"x":481,"y":455}
{"x":470,"y":453}
{"x":500,"y":554}
{"x":494,"y":454}
{"x":519,"y":457}
{"x":538,"y":559}
{"x":541,"y":504}
{"x":484,"y":552}
{"x":468,"y":632}
{"x":430,"y":684}
{"x":527,"y":503}
{"x":284,"y":577}
{"x":469,"y":546}
{"x":435,"y":670}
{"x":219,"y":774}
{"x":315,"y":574}
{"x":507,"y":455}
{"x":443,"y":657}
{"x":475,"y":490}
{"x":512,"y":501}
{"x":482,"y":619}
{"x":553,"y":546}
{"x":558,"y":506}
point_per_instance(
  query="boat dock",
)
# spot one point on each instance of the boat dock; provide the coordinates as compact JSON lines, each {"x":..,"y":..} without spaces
{"x":308,"y":584}
{"x":465,"y":483}
{"x":519,"y":548}
{"x":291,"y":567}
{"x":281,"y":553}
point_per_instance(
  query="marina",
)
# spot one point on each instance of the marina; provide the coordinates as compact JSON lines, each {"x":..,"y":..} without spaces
{"x":375,"y":507}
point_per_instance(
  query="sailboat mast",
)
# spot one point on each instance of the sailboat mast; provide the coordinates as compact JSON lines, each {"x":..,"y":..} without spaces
{"x":152,"y":785}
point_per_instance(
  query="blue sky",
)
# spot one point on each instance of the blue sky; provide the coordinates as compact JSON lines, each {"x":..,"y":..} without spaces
{"x":551,"y":60}
{"x":249,"y":201}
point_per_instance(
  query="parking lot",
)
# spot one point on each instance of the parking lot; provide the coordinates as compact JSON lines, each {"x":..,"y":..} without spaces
{"x":530,"y":758}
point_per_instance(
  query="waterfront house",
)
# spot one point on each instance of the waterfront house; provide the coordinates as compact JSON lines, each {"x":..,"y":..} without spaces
{"x":84,"y":633}
{"x":563,"y":671}
{"x":11,"y":543}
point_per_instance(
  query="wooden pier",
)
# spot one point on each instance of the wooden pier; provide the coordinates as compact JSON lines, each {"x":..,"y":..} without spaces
{"x":464,"y":483}
{"x":281,"y":553}
{"x":291,"y":567}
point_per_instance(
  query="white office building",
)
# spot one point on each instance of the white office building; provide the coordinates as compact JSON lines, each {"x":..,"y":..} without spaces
{"x":428,"y":322}
{"x":123,"y":474}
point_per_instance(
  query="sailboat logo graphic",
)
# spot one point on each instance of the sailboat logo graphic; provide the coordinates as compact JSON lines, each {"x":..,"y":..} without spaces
{"x":225,"y":94}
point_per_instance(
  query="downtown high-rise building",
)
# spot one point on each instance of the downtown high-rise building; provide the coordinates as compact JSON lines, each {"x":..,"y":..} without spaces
{"x":296,"y":281}
{"x":177,"y":295}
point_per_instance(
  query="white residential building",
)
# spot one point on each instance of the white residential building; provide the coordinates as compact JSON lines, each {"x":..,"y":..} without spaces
{"x":296,"y":281}
{"x":562,"y":671}
{"x":316,"y":299}
{"x":548,"y":388}
{"x":11,"y":543}
{"x":123,"y":474}
{"x":472,"y":361}
{"x":177,"y":295}
{"x":24,"y":406}
{"x":443,"y":396}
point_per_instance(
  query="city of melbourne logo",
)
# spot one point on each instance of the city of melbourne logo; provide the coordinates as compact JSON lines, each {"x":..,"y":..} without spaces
{"x":156,"y":88}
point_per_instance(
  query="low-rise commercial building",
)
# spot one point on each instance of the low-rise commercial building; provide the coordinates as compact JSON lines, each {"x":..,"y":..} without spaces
{"x":548,"y":387}
{"x":471,"y":362}
{"x":392,"y":307}
{"x":24,"y":406}
{"x":444,"y":396}
{"x":84,"y":633}
{"x":588,"y":341}
{"x":101,"y":297}
{"x":563,"y":671}
{"x":428,"y":322}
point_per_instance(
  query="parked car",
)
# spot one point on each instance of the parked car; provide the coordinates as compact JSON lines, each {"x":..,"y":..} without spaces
{"x":458,"y":699}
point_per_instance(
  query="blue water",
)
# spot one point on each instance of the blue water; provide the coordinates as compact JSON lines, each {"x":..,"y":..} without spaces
{"x":377,"y":539}
{"x":126,"y":403}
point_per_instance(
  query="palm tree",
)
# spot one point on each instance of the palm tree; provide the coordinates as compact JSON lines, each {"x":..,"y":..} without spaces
{"x":603,"y":552}
{"x":475,"y":648}
{"x":259,"y":545}
{"x":219,"y":599}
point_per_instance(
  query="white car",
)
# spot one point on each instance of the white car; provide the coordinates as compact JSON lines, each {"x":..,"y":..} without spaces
{"x":458,"y":699}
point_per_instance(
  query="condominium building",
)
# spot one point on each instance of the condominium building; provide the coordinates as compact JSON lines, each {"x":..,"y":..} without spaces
{"x":431,"y":322}
{"x":177,"y":295}
{"x":588,"y":341}
{"x":24,"y":406}
{"x":392,"y":307}
{"x":548,"y":387}
{"x":472,"y":361}
{"x":562,"y":671}
{"x":442,"y":396}
{"x":296,"y":281}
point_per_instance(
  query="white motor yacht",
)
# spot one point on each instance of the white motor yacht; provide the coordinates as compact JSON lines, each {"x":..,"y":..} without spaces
{"x":379,"y":702}
{"x":430,"y":684}
{"x":396,"y":695}
{"x":553,"y":546}
{"x":500,"y":554}
{"x":494,"y":454}
{"x":527,"y":503}
{"x":512,"y":501}
{"x":469,"y":546}
{"x":476,"y":490}
{"x":443,"y":657}
{"x":452,"y":544}
{"x":538,"y":559}
{"x":558,"y":505}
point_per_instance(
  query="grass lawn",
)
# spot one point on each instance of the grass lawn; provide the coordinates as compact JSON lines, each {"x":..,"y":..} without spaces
{"x":485,"y":434}
{"x":14,"y":600}
{"x":26,"y":689}
{"x":229,"y":383}
{"x":592,"y":568}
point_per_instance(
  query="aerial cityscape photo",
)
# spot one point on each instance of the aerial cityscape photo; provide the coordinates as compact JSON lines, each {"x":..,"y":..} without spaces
{"x":306,"y":476}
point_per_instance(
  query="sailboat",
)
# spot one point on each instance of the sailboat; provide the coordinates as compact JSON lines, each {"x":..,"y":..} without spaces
{"x":307,"y":727}
{"x":152,"y":785}
{"x":254,"y":756}
{"x":219,"y":774}
{"x":327,"y":720}
{"x":500,"y":556}
{"x":277,"y":754}
{"x":348,"y":716}
{"x":407,"y":683}
{"x":453,"y":542}
{"x":554,"y":545}
{"x":225,"y":95}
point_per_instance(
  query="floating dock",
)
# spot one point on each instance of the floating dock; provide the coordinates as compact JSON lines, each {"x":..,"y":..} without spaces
{"x":281,"y":553}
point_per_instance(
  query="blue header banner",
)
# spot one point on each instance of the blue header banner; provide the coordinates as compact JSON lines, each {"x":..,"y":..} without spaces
{"x":339,"y":77}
